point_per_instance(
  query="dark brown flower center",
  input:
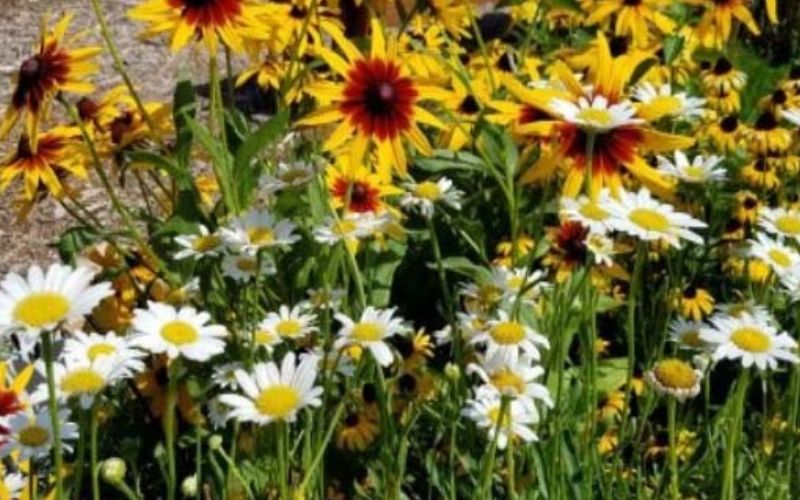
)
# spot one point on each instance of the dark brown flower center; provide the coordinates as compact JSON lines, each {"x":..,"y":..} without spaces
{"x":722,"y":67}
{"x":729,"y":123}
{"x":766,"y":122}
{"x":469,"y":106}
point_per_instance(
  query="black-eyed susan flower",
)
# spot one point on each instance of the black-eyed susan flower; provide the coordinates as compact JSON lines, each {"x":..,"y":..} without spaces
{"x":761,"y":174}
{"x":465,"y":104}
{"x":675,"y":377}
{"x":568,"y":248}
{"x":715,"y":26}
{"x":231,"y":21}
{"x":506,"y":250}
{"x":377,"y":103}
{"x":636,"y":18}
{"x":748,"y":206}
{"x":767,"y":137}
{"x":751,"y":340}
{"x":695,"y":303}
{"x":722,"y":77}
{"x":725,"y":133}
{"x":55,"y":67}
{"x":357,"y":431}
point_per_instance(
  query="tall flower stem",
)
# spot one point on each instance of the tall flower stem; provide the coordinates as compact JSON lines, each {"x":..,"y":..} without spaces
{"x":169,"y":428}
{"x":674,"y":487}
{"x":217,"y":123}
{"x":630,"y":331}
{"x":95,"y":466}
{"x":317,"y":459}
{"x":282,"y":431}
{"x":512,"y":470}
{"x":488,"y":465}
{"x":80,"y":455}
{"x":733,"y":437}
{"x":448,"y":298}
{"x":356,"y":274}
{"x":58,"y":452}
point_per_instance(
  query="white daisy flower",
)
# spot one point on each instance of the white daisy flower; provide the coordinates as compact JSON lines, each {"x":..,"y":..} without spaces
{"x":642,"y":216}
{"x":753,"y":341}
{"x":485,"y":412}
{"x":244,"y":267}
{"x":424,"y":196}
{"x":507,"y":334}
{"x":81,"y":346}
{"x":217,"y":413}
{"x":602,"y":248}
{"x":12,"y":485}
{"x":183,"y":332}
{"x":508,"y":374}
{"x":681,"y":104}
{"x":675,"y":377}
{"x":790,"y":280}
{"x":266,"y":338}
{"x":258,"y":229}
{"x":224,"y":375}
{"x":792,"y":115}
{"x":79,"y":378}
{"x":289,"y":323}
{"x":31,"y":434}
{"x":780,"y":257}
{"x":197,"y":246}
{"x":273,"y":394}
{"x":589,"y":212}
{"x":351,"y":227}
{"x":288,"y":175}
{"x":596,"y":114}
{"x":700,"y":169}
{"x":781,"y":222}
{"x":44,"y":300}
{"x":371,"y":331}
{"x":686,"y":333}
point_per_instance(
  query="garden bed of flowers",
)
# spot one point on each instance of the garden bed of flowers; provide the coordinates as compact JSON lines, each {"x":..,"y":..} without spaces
{"x":432,"y":249}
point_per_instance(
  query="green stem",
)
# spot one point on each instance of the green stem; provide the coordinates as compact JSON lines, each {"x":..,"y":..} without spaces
{"x":356,"y":273}
{"x":733,"y":438}
{"x":126,"y":490}
{"x":33,"y":480}
{"x":169,"y":427}
{"x":322,"y":447}
{"x":236,"y":473}
{"x":58,"y":453}
{"x":80,"y":456}
{"x":512,"y":469}
{"x":630,"y":332}
{"x":488,"y":466}
{"x":282,"y":431}
{"x":448,"y":298}
{"x":93,"y":450}
{"x":674,"y":483}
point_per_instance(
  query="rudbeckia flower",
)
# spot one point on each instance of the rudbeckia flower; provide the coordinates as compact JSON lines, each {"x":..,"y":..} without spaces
{"x":378,"y":103}
{"x":55,"y":67}
{"x":356,"y":188}
{"x":632,"y":17}
{"x":714,"y":28}
{"x":13,"y":396}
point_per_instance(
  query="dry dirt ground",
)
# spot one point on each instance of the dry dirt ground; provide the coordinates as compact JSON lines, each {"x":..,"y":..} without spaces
{"x":151,"y":65}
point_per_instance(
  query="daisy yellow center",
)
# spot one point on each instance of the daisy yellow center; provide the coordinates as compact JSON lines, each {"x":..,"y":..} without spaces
{"x":428,"y":190}
{"x":289,"y":328}
{"x":694,"y":172}
{"x":780,"y":257}
{"x":751,"y":340}
{"x":40,"y":309}
{"x":98,"y":350}
{"x":367,"y":332}
{"x":34,"y":436}
{"x":668,"y":103}
{"x":277,"y":401}
{"x":345,"y":227}
{"x":508,"y":333}
{"x":593,"y":211}
{"x":206,"y":243}
{"x":788,"y":224}
{"x":692,"y":339}
{"x":83,"y":381}
{"x":596,"y":116}
{"x":515,"y":282}
{"x":494,"y":416}
{"x":649,"y":219}
{"x":260,"y":235}
{"x":675,"y":374}
{"x":246,"y":265}
{"x":507,"y":380}
{"x":179,"y":333}
{"x":264,"y":337}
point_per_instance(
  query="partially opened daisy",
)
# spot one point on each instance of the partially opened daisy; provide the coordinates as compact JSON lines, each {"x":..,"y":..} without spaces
{"x":31,"y":434}
{"x":783,"y":222}
{"x":45,"y":299}
{"x":244,"y":267}
{"x":508,"y":334}
{"x":700,"y":169}
{"x":197,"y":246}
{"x":81,"y":379}
{"x":289,"y":323}
{"x":87,"y":347}
{"x":751,"y":340}
{"x":371,"y":331}
{"x":274,"y":394}
{"x":666,"y":103}
{"x":643,"y":217}
{"x":256,"y":230}
{"x":183,"y":332}
{"x":288,"y":175}
{"x":596,"y":114}
{"x":780,"y":257}
{"x":675,"y":377}
{"x":686,"y":333}
{"x":350,"y":228}
{"x":516,"y":423}
{"x":424,"y":196}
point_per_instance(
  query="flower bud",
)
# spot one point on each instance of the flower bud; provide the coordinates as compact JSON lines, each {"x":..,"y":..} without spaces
{"x":113,"y":470}
{"x":215,"y":442}
{"x":189,"y":486}
{"x":452,"y":372}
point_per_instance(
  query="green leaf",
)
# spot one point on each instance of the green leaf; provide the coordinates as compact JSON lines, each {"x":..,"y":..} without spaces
{"x":444,"y":160}
{"x":74,"y":240}
{"x":673,"y":45}
{"x":244,"y":172}
{"x":465,"y":267}
{"x":611,"y":374}
{"x":183,"y":105}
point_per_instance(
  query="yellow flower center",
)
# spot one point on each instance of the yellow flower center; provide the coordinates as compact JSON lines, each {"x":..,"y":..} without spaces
{"x":42,"y":308}
{"x":264,"y":337}
{"x":290,"y":176}
{"x":344,"y":227}
{"x":649,"y":219}
{"x":34,"y":436}
{"x":675,"y":374}
{"x":508,"y":333}
{"x":494,"y":416}
{"x":780,"y":257}
{"x":207,"y":243}
{"x":788,"y":224}
{"x":277,"y":401}
{"x":692,"y":339}
{"x":179,"y":333}
{"x":593,"y":211}
{"x":508,"y":381}
{"x":289,"y":328}
{"x":596,"y":116}
{"x":668,"y":103}
{"x":98,"y":350}
{"x":367,"y":332}
{"x":694,"y":172}
{"x":428,"y":191}
{"x":82,"y":381}
{"x":751,"y":339}
{"x":260,"y":235}
{"x":515,"y":282}
{"x":246,"y":265}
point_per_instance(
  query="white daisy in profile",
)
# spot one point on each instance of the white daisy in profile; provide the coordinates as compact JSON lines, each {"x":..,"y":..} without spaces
{"x":289,"y":323}
{"x":596,"y":114}
{"x":508,"y":334}
{"x":790,"y":280}
{"x":602,"y":248}
{"x":320,"y":298}
{"x":183,"y":332}
{"x":589,"y":212}
{"x":792,"y":116}
{"x":701,"y":169}
{"x":31,"y":434}
{"x":258,"y":229}
{"x":784,"y":222}
{"x":675,"y":377}
{"x":197,"y":246}
{"x":511,"y":375}
{"x":81,"y":346}
{"x":780,"y":257}
{"x":516,"y":422}
{"x":224,"y":375}
{"x":288,"y":175}
{"x":352,"y":227}
{"x":217,"y":413}
{"x":12,"y":484}
{"x":44,"y":300}
{"x":245,"y":267}
{"x":81,"y":379}
{"x":686,"y":333}
{"x":643,"y":217}
{"x":371,"y":331}
{"x":753,"y":341}
{"x":519,"y":283}
{"x":424,"y":196}
{"x":275,"y":394}
{"x":662,"y":99}
{"x":266,"y":338}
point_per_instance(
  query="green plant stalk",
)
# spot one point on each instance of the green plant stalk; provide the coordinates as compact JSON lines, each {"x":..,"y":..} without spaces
{"x":589,"y":165}
{"x":488,"y":465}
{"x":674,"y":482}
{"x":80,"y":455}
{"x":281,"y":431}
{"x":630,"y":333}
{"x":448,"y":298}
{"x":169,"y":428}
{"x":733,"y":437}
{"x":217,"y":123}
{"x":512,"y":469}
{"x":126,"y":490}
{"x":33,"y":480}
{"x":235,"y":471}
{"x":58,"y":452}
{"x":317,"y":459}
{"x":356,"y":273}
{"x":95,"y":466}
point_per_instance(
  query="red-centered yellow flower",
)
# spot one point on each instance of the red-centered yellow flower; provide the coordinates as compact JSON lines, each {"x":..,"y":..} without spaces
{"x":620,"y":131}
{"x":714,"y":27}
{"x":12,"y":391}
{"x":54,"y":68}
{"x":61,"y":152}
{"x":232,"y":21}
{"x":356,"y":188}
{"x":378,"y":103}
{"x":633,"y":17}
